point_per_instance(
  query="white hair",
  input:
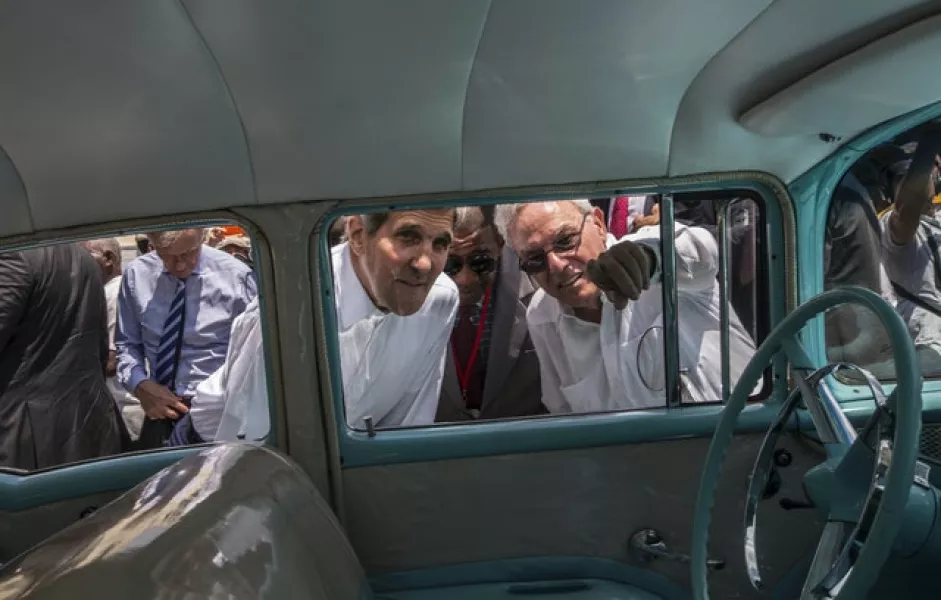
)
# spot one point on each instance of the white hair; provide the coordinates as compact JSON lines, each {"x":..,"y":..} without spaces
{"x":165,"y":239}
{"x":468,"y":218}
{"x":505,"y":214}
{"x":99,"y":247}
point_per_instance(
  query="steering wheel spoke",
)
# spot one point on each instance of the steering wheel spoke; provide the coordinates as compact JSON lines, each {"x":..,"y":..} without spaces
{"x":830,"y":566}
{"x":848,"y":466}
{"x":848,"y":526}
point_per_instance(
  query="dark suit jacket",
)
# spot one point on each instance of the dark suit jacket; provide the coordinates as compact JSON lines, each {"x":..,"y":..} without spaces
{"x":54,"y":405}
{"x":512,"y":387}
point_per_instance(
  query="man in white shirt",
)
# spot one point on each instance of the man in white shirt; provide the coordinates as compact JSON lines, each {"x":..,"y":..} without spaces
{"x":910,"y":239}
{"x":596,"y":322}
{"x":107,"y":253}
{"x":395,"y":311}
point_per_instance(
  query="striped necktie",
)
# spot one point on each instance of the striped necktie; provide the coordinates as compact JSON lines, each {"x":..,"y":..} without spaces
{"x":167,"y":351}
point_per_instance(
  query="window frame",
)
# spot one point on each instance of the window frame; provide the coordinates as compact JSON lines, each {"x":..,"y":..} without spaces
{"x":814,"y":190}
{"x":439,"y":441}
{"x":21,"y":490}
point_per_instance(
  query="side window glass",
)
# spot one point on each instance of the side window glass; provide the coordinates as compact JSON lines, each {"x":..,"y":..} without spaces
{"x":129,"y":343}
{"x":882,"y":233}
{"x":531,"y":310}
{"x":721,"y":287}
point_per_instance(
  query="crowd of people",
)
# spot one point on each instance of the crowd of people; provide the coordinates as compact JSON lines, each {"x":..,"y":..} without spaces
{"x":96,"y":359}
{"x":444,"y":315}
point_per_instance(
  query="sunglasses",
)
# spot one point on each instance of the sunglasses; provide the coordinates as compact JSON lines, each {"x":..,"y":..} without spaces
{"x":478,"y":263}
{"x":538,"y":261}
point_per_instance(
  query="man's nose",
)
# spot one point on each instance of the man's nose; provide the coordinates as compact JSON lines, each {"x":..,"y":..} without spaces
{"x":422,"y":263}
{"x":555,"y":263}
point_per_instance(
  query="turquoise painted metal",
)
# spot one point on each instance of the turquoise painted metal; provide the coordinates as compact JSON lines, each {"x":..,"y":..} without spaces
{"x":497,"y":575}
{"x":114,"y":473}
{"x":908,"y":407}
{"x":811,"y":193}
{"x":839,"y":496}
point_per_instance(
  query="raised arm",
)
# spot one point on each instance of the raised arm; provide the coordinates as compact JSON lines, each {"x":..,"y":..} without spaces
{"x":917,"y":188}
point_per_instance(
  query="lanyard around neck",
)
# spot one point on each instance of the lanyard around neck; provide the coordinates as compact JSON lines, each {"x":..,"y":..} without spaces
{"x":464,"y":372}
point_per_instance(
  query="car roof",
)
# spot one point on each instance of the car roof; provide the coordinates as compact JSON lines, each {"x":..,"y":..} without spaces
{"x":115,"y":110}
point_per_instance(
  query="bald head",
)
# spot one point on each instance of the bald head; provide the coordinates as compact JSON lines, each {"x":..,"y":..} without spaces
{"x":107,"y":253}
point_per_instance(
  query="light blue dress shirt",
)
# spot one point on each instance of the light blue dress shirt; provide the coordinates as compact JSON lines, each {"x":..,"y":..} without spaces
{"x":217,"y":291}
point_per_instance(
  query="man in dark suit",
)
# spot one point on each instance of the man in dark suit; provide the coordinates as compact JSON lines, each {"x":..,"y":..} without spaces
{"x":55,"y":407}
{"x":492,"y":371}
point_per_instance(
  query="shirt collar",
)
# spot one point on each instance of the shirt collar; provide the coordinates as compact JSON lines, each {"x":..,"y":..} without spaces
{"x":353,"y":303}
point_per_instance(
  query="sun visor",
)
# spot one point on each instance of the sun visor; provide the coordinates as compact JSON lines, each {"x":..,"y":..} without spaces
{"x":885,"y":79}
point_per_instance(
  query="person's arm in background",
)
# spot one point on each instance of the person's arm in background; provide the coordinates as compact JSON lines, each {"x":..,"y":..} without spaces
{"x":15,"y":286}
{"x":130,"y":358}
{"x":917,"y":188}
{"x":697,"y":256}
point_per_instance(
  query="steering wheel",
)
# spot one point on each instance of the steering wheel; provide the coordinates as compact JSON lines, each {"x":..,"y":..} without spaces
{"x":897,"y":423}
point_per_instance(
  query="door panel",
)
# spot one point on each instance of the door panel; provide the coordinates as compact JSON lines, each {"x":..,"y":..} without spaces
{"x":34,"y":506}
{"x":584,"y":502}
{"x":22,"y":529}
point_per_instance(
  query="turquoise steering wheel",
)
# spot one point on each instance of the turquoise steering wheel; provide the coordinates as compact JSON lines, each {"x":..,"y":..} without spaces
{"x":904,"y":407}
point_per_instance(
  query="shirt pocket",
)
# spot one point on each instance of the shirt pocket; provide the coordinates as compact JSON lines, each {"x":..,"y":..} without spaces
{"x":589,"y":394}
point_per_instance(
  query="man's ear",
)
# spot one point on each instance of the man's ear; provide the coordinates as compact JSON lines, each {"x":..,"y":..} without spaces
{"x":597,"y":217}
{"x":356,"y":235}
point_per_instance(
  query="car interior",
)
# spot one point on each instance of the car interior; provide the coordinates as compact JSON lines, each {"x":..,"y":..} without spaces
{"x":814,"y":474}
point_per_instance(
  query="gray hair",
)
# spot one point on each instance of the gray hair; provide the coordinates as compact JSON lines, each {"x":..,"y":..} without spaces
{"x":101,"y":246}
{"x":505,"y":215}
{"x":373,"y":221}
{"x":469,"y":219}
{"x":164,"y":239}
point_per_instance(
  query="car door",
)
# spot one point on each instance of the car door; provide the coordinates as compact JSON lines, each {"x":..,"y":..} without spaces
{"x":566,"y":493}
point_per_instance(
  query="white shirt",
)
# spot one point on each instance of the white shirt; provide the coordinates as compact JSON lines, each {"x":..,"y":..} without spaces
{"x":618,"y":364}
{"x":232,"y":403}
{"x":130,"y":407}
{"x":392,"y":365}
{"x":912,"y":266}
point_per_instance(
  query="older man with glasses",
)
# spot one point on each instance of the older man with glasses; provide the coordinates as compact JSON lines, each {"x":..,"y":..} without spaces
{"x":596,"y":320}
{"x":492,"y":370}
{"x":175,"y":311}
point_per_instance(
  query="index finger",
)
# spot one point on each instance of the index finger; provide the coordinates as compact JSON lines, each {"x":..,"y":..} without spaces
{"x":597,"y":275}
{"x":179,"y":407}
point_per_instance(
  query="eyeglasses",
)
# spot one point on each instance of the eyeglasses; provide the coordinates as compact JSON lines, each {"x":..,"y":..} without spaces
{"x":538,"y":261}
{"x":187,"y":256}
{"x":478,"y":263}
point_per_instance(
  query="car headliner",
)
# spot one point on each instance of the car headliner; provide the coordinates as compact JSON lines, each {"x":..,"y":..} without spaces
{"x":117,"y":109}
